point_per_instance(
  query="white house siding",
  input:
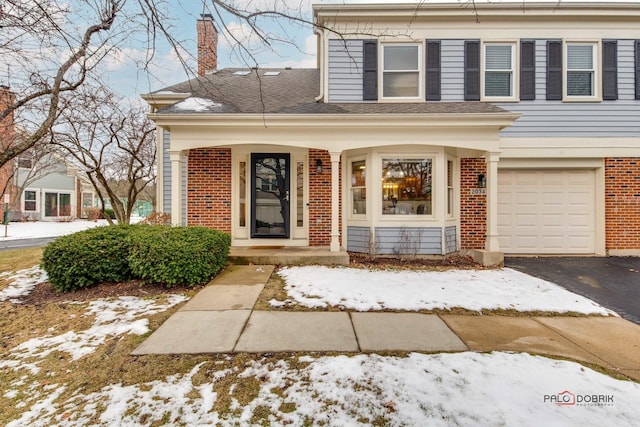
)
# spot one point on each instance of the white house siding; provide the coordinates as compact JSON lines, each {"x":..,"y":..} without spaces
{"x":345,"y":70}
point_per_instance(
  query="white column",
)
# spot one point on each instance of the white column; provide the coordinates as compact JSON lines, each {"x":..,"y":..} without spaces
{"x":176,"y":187}
{"x":335,"y":201}
{"x":491,"y":243}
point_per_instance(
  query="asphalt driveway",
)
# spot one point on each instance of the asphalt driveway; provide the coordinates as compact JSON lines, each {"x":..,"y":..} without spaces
{"x":613,"y":282}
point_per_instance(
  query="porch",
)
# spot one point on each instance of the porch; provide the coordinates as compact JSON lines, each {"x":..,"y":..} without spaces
{"x":287,"y":255}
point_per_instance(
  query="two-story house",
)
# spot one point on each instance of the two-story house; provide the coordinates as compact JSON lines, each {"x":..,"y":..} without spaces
{"x":430,"y":129}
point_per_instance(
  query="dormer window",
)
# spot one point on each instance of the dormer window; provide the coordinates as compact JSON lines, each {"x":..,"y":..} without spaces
{"x":401,"y":71}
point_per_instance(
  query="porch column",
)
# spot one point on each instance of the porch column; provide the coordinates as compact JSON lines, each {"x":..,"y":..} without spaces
{"x":176,"y":187}
{"x":335,"y":201}
{"x":491,"y":243}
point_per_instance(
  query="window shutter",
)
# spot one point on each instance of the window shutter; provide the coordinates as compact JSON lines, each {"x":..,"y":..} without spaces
{"x":609,"y":70}
{"x":370,"y":71}
{"x":433,"y":71}
{"x":554,"y":70}
{"x":472,"y":70}
{"x":527,"y":70}
{"x":637,"y":68}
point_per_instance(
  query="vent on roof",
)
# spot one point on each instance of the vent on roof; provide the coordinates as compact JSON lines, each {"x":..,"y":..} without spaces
{"x":242,"y":73}
{"x":272,"y":73}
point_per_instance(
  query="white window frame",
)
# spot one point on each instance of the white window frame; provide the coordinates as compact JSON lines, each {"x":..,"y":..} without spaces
{"x":514,"y":70}
{"x":420,"y":70}
{"x":353,"y":186}
{"x":37,"y":200}
{"x":596,"y":70}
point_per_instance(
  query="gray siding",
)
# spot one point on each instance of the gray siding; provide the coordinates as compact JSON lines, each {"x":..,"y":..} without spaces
{"x":452,"y":63}
{"x":345,"y":70}
{"x":542,"y":118}
{"x":358,"y":239}
{"x":55,"y":181}
{"x":450,"y":239}
{"x":408,"y":240}
{"x":166,"y":178}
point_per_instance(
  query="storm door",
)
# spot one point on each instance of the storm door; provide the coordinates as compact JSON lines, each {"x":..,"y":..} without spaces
{"x":270,"y":195}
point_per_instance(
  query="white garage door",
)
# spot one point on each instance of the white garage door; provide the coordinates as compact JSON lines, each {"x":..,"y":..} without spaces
{"x":547,"y":211}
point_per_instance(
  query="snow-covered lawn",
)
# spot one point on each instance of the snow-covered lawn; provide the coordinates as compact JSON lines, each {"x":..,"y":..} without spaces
{"x":364,"y":290}
{"x":30,"y":230}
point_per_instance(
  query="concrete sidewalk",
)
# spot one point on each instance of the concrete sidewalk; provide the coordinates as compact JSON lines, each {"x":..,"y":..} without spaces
{"x":221,"y":319}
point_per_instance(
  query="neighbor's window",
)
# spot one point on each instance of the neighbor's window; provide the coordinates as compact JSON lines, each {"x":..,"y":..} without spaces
{"x":358,"y":187}
{"x":29,"y":200}
{"x":580,"y":70}
{"x":499,"y":69}
{"x":401,"y":71}
{"x":406,"y":186}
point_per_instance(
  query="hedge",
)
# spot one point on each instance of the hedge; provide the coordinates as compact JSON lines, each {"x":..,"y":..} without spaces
{"x":153,"y":253}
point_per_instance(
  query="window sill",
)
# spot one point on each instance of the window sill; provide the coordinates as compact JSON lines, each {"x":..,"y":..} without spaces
{"x":584,"y":99}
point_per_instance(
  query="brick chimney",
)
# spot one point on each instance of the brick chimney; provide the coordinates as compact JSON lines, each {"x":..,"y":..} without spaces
{"x":207,"y":45}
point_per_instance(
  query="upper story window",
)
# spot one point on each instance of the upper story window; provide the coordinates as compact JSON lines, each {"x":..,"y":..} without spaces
{"x":499,"y":70}
{"x":401,"y":70}
{"x":580,"y":71}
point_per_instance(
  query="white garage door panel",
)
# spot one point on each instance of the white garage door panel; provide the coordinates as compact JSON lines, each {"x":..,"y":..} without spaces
{"x":546,"y":211}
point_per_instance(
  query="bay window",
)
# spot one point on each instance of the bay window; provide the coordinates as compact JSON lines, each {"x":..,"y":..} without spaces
{"x":407,"y":186}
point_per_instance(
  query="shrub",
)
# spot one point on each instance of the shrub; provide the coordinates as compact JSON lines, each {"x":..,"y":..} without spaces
{"x":177,"y":255}
{"x":88,"y":257}
{"x":109,"y":213}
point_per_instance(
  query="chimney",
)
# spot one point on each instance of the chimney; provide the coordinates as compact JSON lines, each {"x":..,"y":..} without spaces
{"x":207,"y":44}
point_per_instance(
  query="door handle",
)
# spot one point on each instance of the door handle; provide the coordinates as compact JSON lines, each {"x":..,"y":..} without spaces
{"x":286,"y":195}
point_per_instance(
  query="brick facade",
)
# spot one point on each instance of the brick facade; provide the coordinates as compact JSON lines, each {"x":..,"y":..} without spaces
{"x":209,"y":188}
{"x":6,"y":137}
{"x":473,"y":208}
{"x":320,"y":199}
{"x":622,"y":203}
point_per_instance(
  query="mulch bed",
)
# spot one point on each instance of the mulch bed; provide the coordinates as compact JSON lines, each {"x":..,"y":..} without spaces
{"x":44,"y":293}
{"x":414,"y":263}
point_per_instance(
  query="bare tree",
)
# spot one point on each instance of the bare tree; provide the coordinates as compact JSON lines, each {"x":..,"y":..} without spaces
{"x":113,"y":145}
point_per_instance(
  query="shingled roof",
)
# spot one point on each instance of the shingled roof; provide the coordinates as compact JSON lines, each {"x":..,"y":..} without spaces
{"x":288,"y":91}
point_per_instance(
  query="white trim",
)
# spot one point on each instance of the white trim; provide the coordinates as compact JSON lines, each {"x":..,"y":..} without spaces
{"x":419,"y":45}
{"x":515,"y":70}
{"x":596,"y":46}
{"x":37,"y":201}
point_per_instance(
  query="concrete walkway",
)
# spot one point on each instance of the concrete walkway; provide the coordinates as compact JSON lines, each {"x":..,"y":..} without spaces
{"x":221,"y":319}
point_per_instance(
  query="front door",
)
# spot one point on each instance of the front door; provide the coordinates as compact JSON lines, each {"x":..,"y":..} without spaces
{"x":270,"y":195}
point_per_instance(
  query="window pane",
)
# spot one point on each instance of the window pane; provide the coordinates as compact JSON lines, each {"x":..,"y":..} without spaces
{"x":65,"y":205}
{"x":406,"y":186}
{"x":358,"y":187}
{"x":30,"y":195}
{"x":29,"y":206}
{"x":579,"y":57}
{"x":579,"y":83}
{"x":300,"y":194}
{"x":242,"y":190}
{"x":497,"y":84}
{"x":400,"y":58}
{"x":497,"y":57}
{"x":400,"y":85}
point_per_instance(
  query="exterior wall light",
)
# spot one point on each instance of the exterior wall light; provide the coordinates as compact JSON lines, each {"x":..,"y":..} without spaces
{"x":318,"y":165}
{"x":482,"y":180}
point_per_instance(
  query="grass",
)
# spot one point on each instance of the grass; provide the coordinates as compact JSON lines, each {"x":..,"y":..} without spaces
{"x":18,"y":259}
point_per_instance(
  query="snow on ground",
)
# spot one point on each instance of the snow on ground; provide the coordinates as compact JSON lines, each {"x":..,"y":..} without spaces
{"x":30,"y":230}
{"x":437,"y":390}
{"x":363,"y":290}
{"x":21,"y":283}
{"x":113,"y":317}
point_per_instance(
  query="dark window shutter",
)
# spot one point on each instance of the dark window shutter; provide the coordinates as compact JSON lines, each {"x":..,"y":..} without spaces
{"x":370,"y":71}
{"x":609,"y":69}
{"x":472,"y":70}
{"x":637,"y":59}
{"x":527,"y":70}
{"x":554,"y":70}
{"x":433,"y":71}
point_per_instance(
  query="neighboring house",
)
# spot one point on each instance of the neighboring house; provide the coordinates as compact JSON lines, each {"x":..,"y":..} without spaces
{"x":430,"y":129}
{"x":51,"y":190}
{"x":7,"y":132}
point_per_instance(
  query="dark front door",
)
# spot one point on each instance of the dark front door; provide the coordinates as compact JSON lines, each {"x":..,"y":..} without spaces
{"x":270,"y":195}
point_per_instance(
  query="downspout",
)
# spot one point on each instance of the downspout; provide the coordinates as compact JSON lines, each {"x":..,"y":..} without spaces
{"x":320,"y":33}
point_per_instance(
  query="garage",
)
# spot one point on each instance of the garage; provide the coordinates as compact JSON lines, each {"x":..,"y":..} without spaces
{"x":547,"y":211}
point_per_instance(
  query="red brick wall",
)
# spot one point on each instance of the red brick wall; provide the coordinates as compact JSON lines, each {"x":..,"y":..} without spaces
{"x":320,"y":199}
{"x":622,"y":202}
{"x":6,"y":138}
{"x":473,"y":208}
{"x":209,"y":188}
{"x":207,"y":46}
